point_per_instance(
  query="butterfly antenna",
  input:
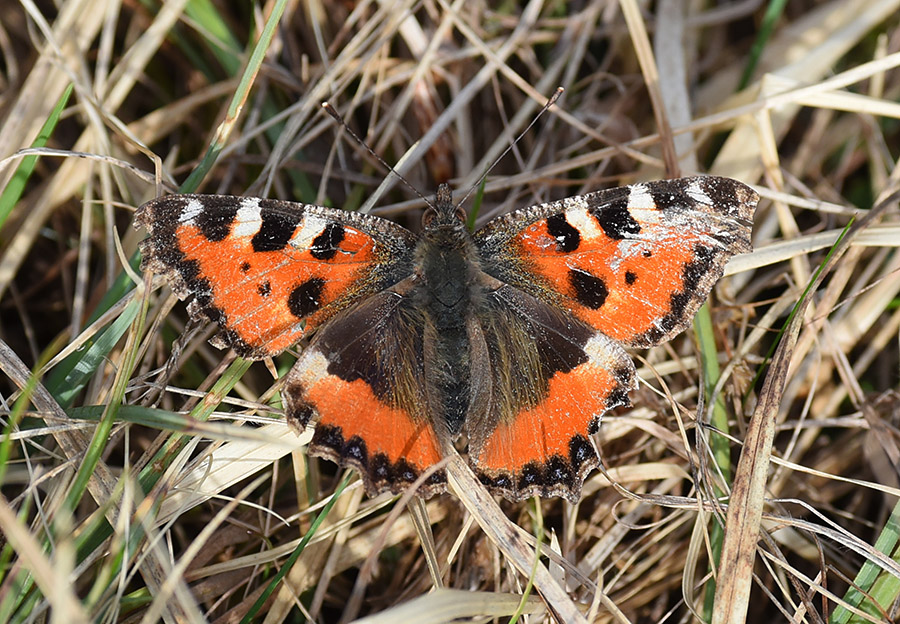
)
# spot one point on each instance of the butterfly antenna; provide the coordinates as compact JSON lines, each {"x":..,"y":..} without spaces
{"x":550,"y":102}
{"x":337,"y":117}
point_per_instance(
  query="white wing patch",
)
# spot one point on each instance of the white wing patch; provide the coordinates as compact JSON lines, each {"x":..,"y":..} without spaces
{"x":311,"y":227}
{"x":696,"y":192}
{"x":248,"y":219}
{"x":581,"y":220}
{"x":640,"y":198}
{"x":193,"y":208}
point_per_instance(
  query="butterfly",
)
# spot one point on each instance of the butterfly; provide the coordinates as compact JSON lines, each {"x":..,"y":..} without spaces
{"x":510,"y":340}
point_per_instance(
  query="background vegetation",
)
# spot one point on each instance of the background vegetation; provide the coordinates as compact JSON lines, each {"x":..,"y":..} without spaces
{"x":148,"y":476}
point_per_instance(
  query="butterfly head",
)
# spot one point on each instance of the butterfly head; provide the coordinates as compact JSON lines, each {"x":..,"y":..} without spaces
{"x":443,"y":216}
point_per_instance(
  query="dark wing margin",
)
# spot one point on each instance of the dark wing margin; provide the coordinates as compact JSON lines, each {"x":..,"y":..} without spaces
{"x":268,"y":271}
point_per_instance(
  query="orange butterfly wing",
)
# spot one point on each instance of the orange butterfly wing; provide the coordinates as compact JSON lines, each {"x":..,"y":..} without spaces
{"x":633,"y":262}
{"x":268,"y":271}
{"x":549,"y":379}
{"x":575,"y":279}
{"x":362,"y":380}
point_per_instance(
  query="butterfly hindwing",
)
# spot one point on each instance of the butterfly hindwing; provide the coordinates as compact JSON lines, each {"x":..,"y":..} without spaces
{"x":268,"y":271}
{"x":633,"y":262}
{"x":551,"y":378}
{"x":362,"y":381}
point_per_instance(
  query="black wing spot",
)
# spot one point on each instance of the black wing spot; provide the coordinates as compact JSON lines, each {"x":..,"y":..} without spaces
{"x":216,"y":225}
{"x":616,"y":220}
{"x":329,"y":436}
{"x":630,"y":277}
{"x":299,"y":412}
{"x":304,"y":299}
{"x":325,"y":245}
{"x":532,"y":475}
{"x":275,"y":232}
{"x":559,"y":472}
{"x":618,"y":396}
{"x":567,"y":237}
{"x":404,"y":471}
{"x":264,"y":289}
{"x":381,"y":469}
{"x":245,"y":266}
{"x":590,"y":290}
{"x":355,"y":451}
{"x":502,"y":482}
{"x":666,"y":199}
{"x":581,"y":451}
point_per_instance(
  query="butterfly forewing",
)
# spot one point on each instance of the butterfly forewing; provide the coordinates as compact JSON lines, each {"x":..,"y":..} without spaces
{"x":266,"y":271}
{"x":633,"y":262}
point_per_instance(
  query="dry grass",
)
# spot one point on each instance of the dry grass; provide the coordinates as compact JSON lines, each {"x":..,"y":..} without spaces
{"x":191,"y":510}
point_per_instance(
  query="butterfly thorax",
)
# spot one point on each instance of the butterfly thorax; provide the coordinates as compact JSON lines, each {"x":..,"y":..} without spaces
{"x":446,"y":261}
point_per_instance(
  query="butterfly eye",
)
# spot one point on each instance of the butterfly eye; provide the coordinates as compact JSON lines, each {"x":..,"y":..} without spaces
{"x":428,"y":217}
{"x":460,"y":214}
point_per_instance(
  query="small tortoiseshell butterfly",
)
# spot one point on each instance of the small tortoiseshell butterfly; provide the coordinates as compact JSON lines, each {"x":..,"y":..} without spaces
{"x":512,"y":336}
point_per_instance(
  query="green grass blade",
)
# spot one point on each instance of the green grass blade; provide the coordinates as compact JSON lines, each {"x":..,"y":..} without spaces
{"x":250,"y":616}
{"x":237,"y":101}
{"x":719,"y":444}
{"x":773,"y":13}
{"x":882,"y":588}
{"x":13,"y":191}
{"x":73,"y":373}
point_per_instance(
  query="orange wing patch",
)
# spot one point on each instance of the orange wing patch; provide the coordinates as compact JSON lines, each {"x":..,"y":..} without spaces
{"x":545,"y":449}
{"x":271,"y":298}
{"x":362,"y":380}
{"x":389,"y":446}
{"x":551,"y":378}
{"x":624,"y":288}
